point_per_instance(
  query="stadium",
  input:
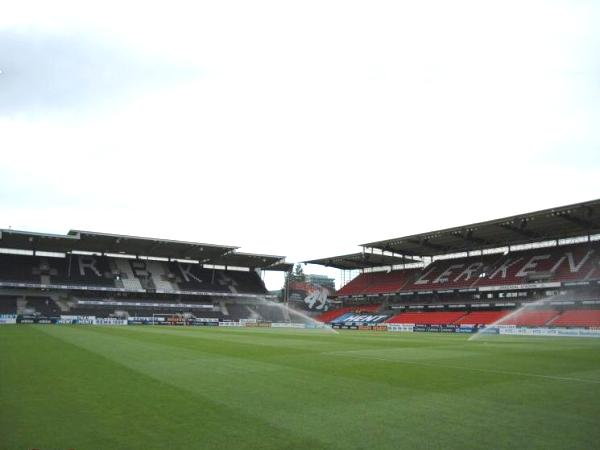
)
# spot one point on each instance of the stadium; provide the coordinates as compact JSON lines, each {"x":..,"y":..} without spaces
{"x":332,"y":225}
{"x":482,"y":335}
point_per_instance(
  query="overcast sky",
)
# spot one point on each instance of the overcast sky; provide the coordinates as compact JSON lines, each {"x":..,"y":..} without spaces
{"x":294,"y":128}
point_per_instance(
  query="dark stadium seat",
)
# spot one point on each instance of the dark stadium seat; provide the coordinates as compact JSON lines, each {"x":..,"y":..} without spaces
{"x":43,"y":305}
{"x":81,"y":270}
{"x":91,"y":271}
{"x":247,"y":282}
{"x":141,"y":306}
{"x":237,"y":311}
{"x":270,"y":313}
{"x":19,"y":268}
{"x":193,"y":277}
{"x":8,"y":305}
{"x":87,"y":310}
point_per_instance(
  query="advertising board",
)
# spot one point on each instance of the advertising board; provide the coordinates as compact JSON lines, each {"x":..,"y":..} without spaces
{"x":6,"y":319}
{"x":37,"y":319}
{"x":543,"y":331}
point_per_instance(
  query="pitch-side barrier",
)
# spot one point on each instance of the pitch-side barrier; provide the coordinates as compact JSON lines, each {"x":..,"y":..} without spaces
{"x":10,"y":319}
{"x":509,"y":330}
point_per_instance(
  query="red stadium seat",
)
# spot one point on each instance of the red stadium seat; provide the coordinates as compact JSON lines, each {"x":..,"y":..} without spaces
{"x":378,"y":282}
{"x":428,"y":318}
{"x":566,"y":263}
{"x":451,"y":273}
{"x":481,"y":317}
{"x":530,"y":318}
{"x":578,"y":318}
{"x":328,"y":316}
{"x":579,"y":262}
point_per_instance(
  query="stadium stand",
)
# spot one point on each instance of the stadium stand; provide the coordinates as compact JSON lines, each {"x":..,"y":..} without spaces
{"x":481,"y":317}
{"x":427,"y":318}
{"x":328,"y":316}
{"x":579,"y":262}
{"x":158,"y":275}
{"x":96,"y":310}
{"x":8,"y":305}
{"x":527,"y":318}
{"x":154,"y":275}
{"x":83,"y":270}
{"x":568,"y":263}
{"x":193,"y":277}
{"x":132,"y":274}
{"x":556,"y":248}
{"x":126,"y":275}
{"x":356,"y":286}
{"x":451,"y":273}
{"x":370,"y":308}
{"x":377,"y":282}
{"x":19,"y":268}
{"x":140,"y":308}
{"x":80,"y":274}
{"x":238,"y":311}
{"x":246,"y":282}
{"x":578,"y":318}
{"x":331,"y":315}
{"x":42,"y":305}
{"x":270,"y":313}
{"x":383,"y":283}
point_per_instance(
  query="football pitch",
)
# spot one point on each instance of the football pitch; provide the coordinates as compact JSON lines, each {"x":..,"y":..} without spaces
{"x":92,"y":387}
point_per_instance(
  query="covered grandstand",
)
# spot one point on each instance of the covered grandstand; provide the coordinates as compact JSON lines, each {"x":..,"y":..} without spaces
{"x":481,"y":272}
{"x":109,"y":275}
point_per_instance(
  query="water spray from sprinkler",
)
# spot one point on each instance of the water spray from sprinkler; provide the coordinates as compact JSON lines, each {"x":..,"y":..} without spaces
{"x":490,"y":329}
{"x":303,"y":318}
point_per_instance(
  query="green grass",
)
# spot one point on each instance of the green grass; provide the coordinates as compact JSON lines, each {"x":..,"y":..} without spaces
{"x":86,"y":387}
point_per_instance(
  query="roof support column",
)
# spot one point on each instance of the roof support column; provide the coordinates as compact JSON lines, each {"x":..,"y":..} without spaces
{"x":69,"y":265}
